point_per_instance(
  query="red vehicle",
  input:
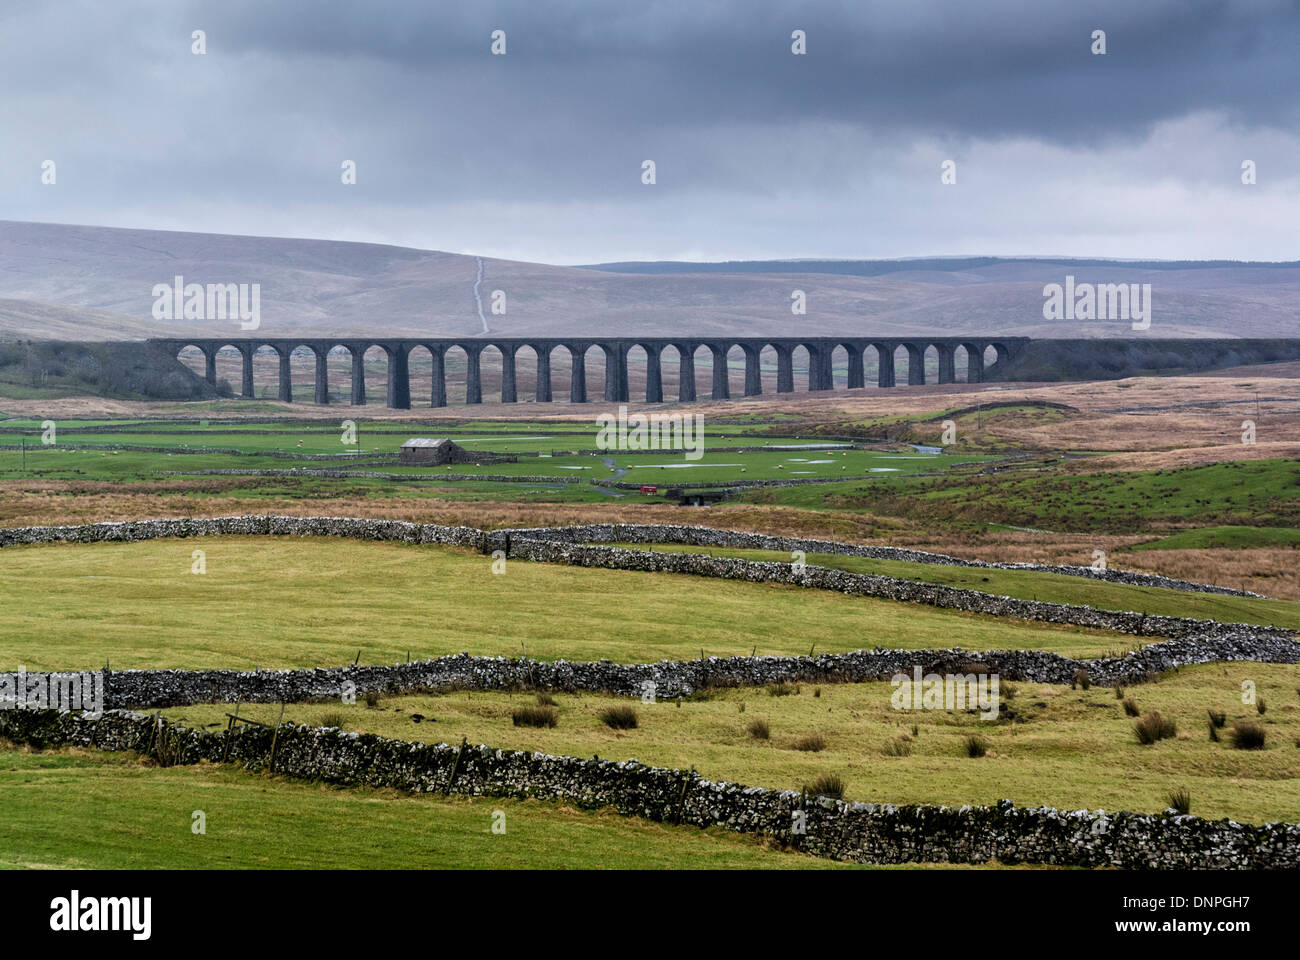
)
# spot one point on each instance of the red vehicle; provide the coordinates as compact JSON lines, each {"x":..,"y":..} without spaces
{"x":649,"y":488}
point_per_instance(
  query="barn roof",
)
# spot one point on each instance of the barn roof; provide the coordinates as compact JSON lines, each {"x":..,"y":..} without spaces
{"x":425,"y":442}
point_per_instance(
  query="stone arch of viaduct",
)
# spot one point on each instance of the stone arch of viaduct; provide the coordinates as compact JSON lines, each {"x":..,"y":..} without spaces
{"x":820,"y":351}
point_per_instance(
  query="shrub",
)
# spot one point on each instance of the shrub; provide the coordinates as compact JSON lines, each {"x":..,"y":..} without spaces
{"x":618,"y":718}
{"x":333,"y":719}
{"x":1154,"y":727}
{"x":898,"y":747}
{"x":1130,"y":707}
{"x":976,"y":746}
{"x":1247,"y":736}
{"x":1180,"y":800}
{"x":827,"y":785}
{"x":759,"y":730}
{"x":546,"y":700}
{"x":534,"y":717}
{"x":811,"y":743}
{"x":1217,"y":718}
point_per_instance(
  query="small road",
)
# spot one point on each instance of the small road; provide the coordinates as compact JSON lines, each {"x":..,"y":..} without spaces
{"x":619,"y":474}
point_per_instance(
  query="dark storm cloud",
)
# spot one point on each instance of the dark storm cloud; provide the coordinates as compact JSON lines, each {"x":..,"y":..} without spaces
{"x":979,"y":69}
{"x":145,"y":131}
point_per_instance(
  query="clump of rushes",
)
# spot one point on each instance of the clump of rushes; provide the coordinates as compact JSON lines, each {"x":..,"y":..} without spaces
{"x":334,"y":719}
{"x":1217,"y":718}
{"x":534,"y":717}
{"x":781,"y":689}
{"x":1154,"y":727}
{"x":1130,"y":707}
{"x":1247,"y":736}
{"x":976,"y":746}
{"x":545,"y":700}
{"x":1082,"y":679}
{"x":1119,"y":693}
{"x":811,"y":743}
{"x":1260,"y":707}
{"x":826,"y":785}
{"x":618,"y":718}
{"x":759,"y":730}
{"x":372,"y":699}
{"x":898,"y":747}
{"x":1214,"y":733}
{"x":1180,"y":800}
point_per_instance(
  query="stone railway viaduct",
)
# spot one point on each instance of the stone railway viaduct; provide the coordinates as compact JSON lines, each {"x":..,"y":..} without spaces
{"x":819,"y":349}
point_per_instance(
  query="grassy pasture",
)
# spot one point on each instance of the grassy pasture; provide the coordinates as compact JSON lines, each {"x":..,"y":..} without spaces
{"x":1249,"y":492}
{"x":1074,"y":749}
{"x":1031,"y":585}
{"x":556,"y":444}
{"x":89,"y":810}
{"x":1225,"y":538}
{"x":307,"y":602}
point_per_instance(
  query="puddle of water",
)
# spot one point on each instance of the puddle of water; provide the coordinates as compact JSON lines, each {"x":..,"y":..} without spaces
{"x":679,"y":466}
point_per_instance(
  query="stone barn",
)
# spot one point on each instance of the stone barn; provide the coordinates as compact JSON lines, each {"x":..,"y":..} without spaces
{"x":422,"y":451}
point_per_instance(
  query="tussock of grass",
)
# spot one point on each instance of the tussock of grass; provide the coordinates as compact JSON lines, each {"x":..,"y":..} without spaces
{"x":827,"y":785}
{"x":619,"y":718}
{"x":1247,"y":736}
{"x":1153,"y":727}
{"x":534,"y":717}
{"x":897,"y":747}
{"x":759,"y":729}
{"x":810,"y":743}
{"x":1180,"y":800}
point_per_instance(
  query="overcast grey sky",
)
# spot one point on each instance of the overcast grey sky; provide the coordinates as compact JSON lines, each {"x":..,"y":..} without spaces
{"x":537,"y":154}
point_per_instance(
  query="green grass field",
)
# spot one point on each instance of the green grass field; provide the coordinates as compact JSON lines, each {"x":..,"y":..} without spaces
{"x":1249,"y":492}
{"x":1071,"y":749}
{"x":1226,"y":538}
{"x":90,"y":810}
{"x":309,"y":602}
{"x":188,"y":447}
{"x":1031,"y":585}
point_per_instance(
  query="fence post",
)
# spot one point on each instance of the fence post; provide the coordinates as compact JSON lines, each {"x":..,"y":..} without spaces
{"x":455,"y":766}
{"x":270,"y":766}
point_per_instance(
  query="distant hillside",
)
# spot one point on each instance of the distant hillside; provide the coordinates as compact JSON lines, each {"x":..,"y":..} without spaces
{"x":879,"y":268}
{"x":78,"y":282}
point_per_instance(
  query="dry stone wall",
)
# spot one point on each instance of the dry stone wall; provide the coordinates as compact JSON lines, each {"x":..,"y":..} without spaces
{"x":1190,"y":641}
{"x":822,"y":826}
{"x":667,"y":679}
{"x":709,"y":537}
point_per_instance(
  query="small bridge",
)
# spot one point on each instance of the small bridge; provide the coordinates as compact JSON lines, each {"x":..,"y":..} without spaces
{"x":819,"y":350}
